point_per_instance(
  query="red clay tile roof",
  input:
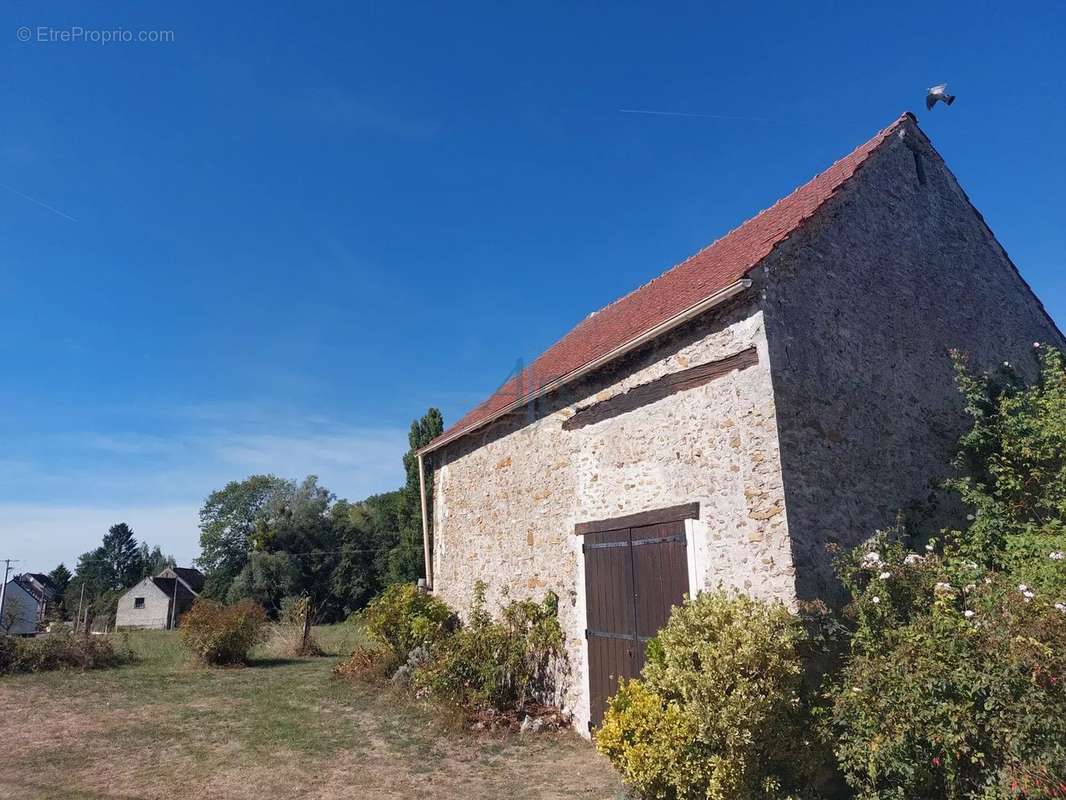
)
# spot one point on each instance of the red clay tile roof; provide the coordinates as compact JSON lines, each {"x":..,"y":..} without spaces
{"x":692,"y":281}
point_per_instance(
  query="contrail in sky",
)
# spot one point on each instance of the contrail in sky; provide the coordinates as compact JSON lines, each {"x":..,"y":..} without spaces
{"x":685,"y":114}
{"x":38,"y":202}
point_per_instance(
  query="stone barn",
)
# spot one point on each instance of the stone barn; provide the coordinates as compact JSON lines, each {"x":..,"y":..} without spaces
{"x":787,"y":387}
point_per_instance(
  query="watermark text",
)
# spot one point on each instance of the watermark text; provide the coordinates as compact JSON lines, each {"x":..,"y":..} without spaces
{"x":76,"y":34}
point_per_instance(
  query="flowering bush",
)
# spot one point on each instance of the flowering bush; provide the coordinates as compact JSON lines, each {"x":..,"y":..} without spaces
{"x":1012,"y":465}
{"x":958,"y":692}
{"x":223,"y":635}
{"x":721,"y":709}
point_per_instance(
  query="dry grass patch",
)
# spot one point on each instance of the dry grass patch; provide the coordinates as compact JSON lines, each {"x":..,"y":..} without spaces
{"x":279,"y":728}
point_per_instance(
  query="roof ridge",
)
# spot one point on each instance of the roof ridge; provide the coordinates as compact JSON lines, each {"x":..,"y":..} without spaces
{"x":879,"y":137}
{"x":683,"y":286}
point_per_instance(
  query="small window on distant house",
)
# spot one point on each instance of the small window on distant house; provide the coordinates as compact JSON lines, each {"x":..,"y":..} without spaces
{"x":138,"y":602}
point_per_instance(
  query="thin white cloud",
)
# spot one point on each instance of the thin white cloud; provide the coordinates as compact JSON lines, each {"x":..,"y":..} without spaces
{"x":57,"y":500}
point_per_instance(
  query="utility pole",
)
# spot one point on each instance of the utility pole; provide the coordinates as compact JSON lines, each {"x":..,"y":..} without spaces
{"x":3,"y":588}
{"x":77,"y":619}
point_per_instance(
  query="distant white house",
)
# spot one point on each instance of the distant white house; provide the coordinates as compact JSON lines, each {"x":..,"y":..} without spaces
{"x":159,"y":602}
{"x":28,"y":600}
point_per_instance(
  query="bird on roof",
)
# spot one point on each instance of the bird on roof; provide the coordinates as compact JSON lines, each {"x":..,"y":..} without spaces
{"x":939,"y":92}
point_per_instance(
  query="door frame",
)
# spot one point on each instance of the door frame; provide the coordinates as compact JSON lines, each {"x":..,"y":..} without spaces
{"x":654,"y":517}
{"x":689,"y":514}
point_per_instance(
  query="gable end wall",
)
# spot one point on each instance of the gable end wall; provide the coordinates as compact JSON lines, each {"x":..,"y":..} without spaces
{"x":155,"y":614}
{"x":862,"y":307}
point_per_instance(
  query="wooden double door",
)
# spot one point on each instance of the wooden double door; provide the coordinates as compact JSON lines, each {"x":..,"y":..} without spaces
{"x":636,"y":570}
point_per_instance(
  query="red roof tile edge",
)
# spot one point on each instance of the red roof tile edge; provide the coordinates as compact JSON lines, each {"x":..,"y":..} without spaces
{"x":698,"y":278}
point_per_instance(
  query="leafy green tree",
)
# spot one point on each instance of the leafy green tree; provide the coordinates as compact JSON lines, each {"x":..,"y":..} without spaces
{"x":229,"y":521}
{"x":406,"y":560}
{"x":267,"y":579}
{"x":357,"y":574}
{"x":94,"y":572}
{"x":266,"y":538}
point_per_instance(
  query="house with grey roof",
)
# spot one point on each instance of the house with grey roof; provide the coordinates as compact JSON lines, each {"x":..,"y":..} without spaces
{"x":28,"y":601}
{"x":786,"y":389}
{"x":159,"y":602}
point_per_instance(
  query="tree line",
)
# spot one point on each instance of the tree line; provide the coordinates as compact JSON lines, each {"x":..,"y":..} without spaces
{"x":267,"y":538}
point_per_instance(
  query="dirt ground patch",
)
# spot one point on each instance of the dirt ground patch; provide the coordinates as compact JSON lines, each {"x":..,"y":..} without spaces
{"x":281,"y":728}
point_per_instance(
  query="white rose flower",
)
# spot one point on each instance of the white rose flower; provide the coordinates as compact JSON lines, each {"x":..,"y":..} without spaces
{"x":885,"y":576}
{"x":875,"y":600}
{"x":1058,"y":555}
{"x":968,"y":613}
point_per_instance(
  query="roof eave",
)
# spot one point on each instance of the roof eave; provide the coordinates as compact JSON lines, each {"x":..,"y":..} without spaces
{"x":730,"y":291}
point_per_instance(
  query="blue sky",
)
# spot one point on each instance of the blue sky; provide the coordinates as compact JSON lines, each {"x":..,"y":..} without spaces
{"x":268,"y":244}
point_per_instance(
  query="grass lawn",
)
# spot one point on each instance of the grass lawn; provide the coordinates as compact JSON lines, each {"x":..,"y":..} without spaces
{"x":281,"y":728}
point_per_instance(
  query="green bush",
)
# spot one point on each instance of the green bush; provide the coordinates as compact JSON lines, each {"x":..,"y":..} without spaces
{"x":223,"y":635}
{"x":498,"y":667}
{"x":402,"y":618}
{"x":1012,"y":472}
{"x":956,"y":687}
{"x":59,"y":651}
{"x":721,"y":710}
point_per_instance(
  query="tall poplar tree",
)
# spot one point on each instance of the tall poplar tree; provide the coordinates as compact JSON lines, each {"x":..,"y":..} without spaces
{"x":406,"y":562}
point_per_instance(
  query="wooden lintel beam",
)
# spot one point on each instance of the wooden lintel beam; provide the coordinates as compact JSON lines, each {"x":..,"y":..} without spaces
{"x":659,"y":388}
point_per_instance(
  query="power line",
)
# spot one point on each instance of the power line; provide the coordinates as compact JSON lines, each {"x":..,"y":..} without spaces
{"x":301,"y":554}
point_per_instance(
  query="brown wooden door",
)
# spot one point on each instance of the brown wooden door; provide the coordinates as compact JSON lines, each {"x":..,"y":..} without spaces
{"x":636,"y":570}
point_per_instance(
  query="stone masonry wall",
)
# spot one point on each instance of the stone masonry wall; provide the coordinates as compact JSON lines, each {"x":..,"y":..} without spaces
{"x":506,"y":499}
{"x":862,"y":306}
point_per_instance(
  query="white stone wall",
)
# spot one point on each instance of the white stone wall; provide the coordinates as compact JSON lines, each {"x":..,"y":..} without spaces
{"x":506,"y":500}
